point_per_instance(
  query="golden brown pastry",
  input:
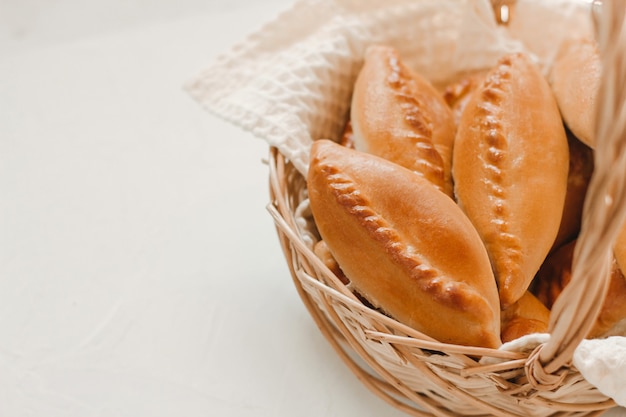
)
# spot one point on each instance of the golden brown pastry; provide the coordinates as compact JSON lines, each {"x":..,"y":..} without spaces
{"x":528,"y":315}
{"x":405,"y":246}
{"x":321,"y":250}
{"x":613,"y":310}
{"x":347,"y":139}
{"x":575,"y":79}
{"x":510,"y":170}
{"x":578,"y":177}
{"x":556,"y":273}
{"x":398,"y":115}
{"x":619,"y":248}
{"x":553,"y":275}
{"x":458,"y":94}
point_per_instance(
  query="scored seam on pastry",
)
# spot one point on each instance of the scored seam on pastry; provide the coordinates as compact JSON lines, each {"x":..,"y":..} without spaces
{"x":452,"y":293}
{"x":422,"y":131}
{"x":494,"y":147}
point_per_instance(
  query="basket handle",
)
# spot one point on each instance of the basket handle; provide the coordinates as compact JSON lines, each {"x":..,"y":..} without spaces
{"x":577,"y":309}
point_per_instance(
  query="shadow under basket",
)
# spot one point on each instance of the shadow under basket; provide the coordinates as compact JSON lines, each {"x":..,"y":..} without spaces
{"x":408,"y":369}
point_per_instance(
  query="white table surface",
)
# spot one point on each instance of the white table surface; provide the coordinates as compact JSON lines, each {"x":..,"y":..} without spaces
{"x":140,"y":274}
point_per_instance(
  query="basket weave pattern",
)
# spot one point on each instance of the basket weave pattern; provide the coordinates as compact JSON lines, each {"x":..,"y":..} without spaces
{"x":443,"y":380}
{"x":423,"y":377}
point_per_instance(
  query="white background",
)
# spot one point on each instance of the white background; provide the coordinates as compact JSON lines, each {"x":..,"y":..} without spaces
{"x":140,"y":274}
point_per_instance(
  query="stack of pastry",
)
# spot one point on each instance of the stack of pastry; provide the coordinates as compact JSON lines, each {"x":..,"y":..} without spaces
{"x":440,"y":207}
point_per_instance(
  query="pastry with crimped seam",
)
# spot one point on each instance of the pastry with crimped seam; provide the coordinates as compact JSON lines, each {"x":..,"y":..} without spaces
{"x":575,"y":80}
{"x":527,"y":316}
{"x":398,"y":115}
{"x":510,"y":168}
{"x":404,"y":246}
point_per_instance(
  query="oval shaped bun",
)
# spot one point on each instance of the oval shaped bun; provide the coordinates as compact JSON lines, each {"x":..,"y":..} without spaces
{"x":398,"y":115}
{"x":510,"y":170}
{"x":528,"y":315}
{"x":575,"y":79}
{"x":404,"y":245}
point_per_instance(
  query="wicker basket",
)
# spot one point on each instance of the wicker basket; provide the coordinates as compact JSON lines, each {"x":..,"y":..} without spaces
{"x":423,"y":377}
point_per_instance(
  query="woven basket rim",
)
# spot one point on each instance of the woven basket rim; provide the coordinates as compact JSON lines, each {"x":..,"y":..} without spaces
{"x":312,"y":278}
{"x":539,"y":376}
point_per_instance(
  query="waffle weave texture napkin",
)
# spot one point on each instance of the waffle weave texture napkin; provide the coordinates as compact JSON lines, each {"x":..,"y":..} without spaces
{"x":290,"y":83}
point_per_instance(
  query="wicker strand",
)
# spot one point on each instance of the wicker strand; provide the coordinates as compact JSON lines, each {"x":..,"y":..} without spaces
{"x":575,"y":311}
{"x":422,"y":377}
{"x":285,"y":227}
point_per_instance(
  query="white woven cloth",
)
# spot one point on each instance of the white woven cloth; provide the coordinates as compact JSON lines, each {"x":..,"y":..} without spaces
{"x":601,"y":361}
{"x":290,"y":82}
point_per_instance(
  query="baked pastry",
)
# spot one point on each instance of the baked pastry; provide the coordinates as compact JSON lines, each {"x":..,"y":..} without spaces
{"x":347,"y":139}
{"x":578,"y":177}
{"x":405,"y":246}
{"x":556,"y":273}
{"x":458,"y":94}
{"x":613,"y":314}
{"x":510,"y":169}
{"x":619,"y":248}
{"x":528,"y":315}
{"x":575,"y":79}
{"x":398,"y":115}
{"x":321,"y":250}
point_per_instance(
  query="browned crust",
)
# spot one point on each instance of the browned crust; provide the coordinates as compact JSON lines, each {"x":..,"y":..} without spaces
{"x":387,"y":261}
{"x":347,"y":139}
{"x":528,"y":315}
{"x":575,"y":79}
{"x":399,"y":116}
{"x":440,"y":287}
{"x":556,"y":273}
{"x":496,"y":160}
{"x":510,"y":168}
{"x":581,"y":165}
{"x":458,"y":94}
{"x":321,"y":250}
